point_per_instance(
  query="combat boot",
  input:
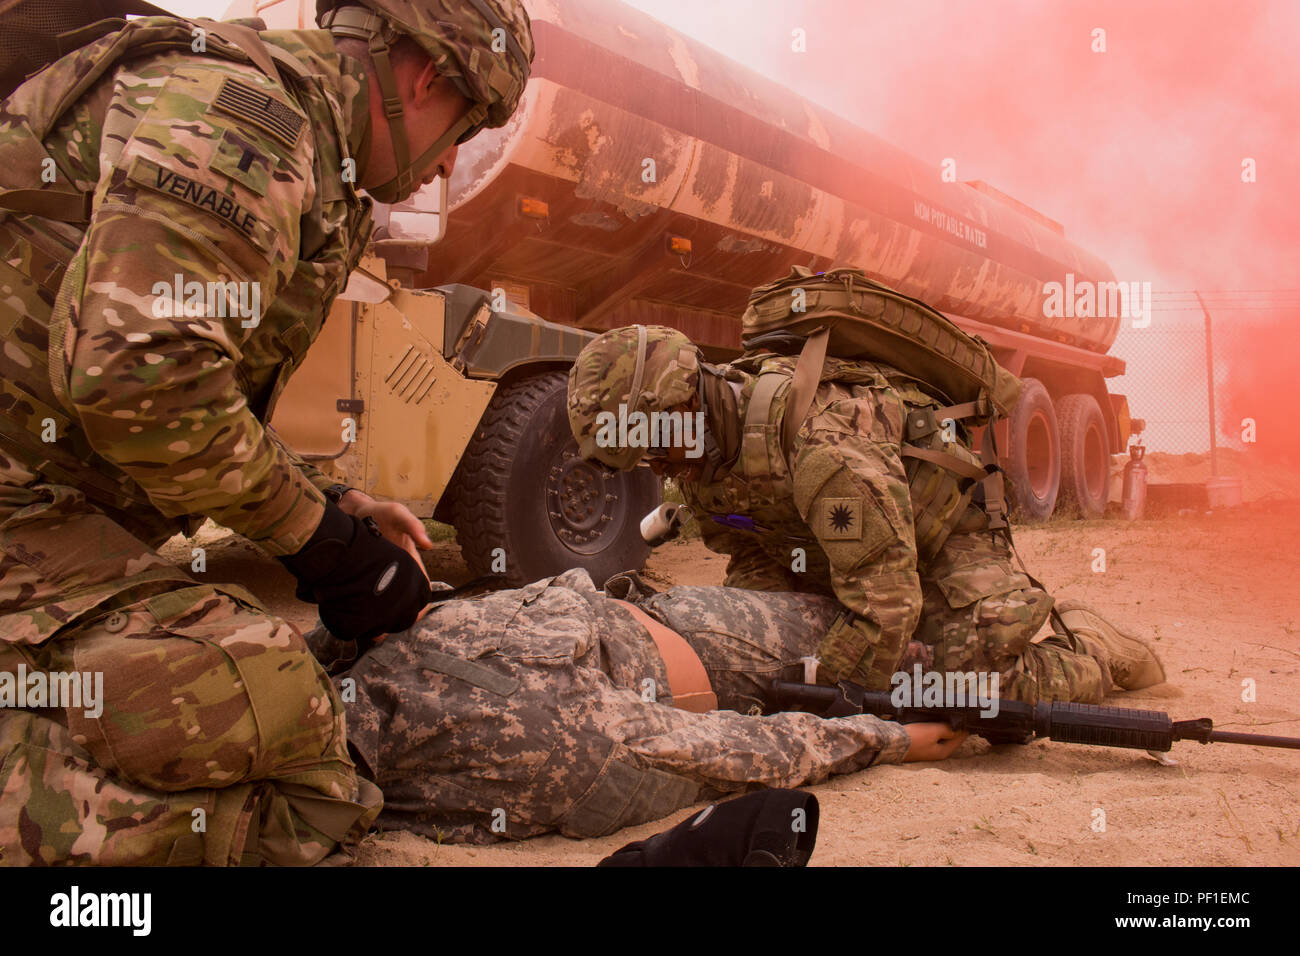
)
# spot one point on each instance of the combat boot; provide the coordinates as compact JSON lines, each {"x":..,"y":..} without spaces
{"x":1130,"y":661}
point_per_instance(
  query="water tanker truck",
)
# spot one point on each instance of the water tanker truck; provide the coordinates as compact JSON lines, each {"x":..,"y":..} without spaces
{"x":648,"y":178}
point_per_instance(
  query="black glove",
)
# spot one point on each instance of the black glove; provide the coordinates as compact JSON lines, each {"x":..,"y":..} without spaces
{"x":365,"y":585}
{"x":759,"y":829}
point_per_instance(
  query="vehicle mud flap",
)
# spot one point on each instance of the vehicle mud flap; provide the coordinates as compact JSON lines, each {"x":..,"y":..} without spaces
{"x":625,"y":795}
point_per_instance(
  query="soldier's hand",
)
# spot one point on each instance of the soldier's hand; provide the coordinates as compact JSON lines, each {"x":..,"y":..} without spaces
{"x":395,"y":520}
{"x":365,"y":585}
{"x":932,"y":741}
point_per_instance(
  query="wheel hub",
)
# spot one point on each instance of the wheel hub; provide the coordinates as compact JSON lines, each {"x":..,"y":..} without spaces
{"x":580,"y":501}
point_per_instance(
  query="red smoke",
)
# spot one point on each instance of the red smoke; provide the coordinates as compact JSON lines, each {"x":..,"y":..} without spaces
{"x":1261,"y":385}
{"x":1138,"y":150}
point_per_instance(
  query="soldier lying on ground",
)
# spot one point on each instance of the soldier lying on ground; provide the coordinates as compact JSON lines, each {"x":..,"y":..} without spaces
{"x":550,"y":707}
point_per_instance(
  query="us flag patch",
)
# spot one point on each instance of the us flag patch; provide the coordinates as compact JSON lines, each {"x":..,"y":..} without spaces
{"x":840,"y":519}
{"x":263,"y":111}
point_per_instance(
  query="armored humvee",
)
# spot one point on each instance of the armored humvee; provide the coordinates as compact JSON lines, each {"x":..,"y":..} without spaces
{"x":452,"y":401}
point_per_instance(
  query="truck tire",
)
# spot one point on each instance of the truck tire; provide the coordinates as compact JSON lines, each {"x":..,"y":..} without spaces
{"x":1034,"y":457}
{"x":1085,"y":457}
{"x":522,"y":487}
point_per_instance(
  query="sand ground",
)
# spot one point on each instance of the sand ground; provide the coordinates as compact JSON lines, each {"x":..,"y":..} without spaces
{"x":1218,"y":595}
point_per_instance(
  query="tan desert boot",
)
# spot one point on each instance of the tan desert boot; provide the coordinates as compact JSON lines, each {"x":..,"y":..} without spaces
{"x":1130,"y":661}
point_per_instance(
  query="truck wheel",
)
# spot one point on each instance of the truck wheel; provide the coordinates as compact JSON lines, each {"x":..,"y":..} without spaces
{"x":1034,"y":458}
{"x":1085,"y":459}
{"x":522,"y":487}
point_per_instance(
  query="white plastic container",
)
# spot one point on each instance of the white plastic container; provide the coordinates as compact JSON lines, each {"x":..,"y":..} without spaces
{"x":1223,"y":492}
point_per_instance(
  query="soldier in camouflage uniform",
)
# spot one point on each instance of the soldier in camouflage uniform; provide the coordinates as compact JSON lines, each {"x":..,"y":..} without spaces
{"x":161,"y":158}
{"x":549,"y":708}
{"x":837,"y":517}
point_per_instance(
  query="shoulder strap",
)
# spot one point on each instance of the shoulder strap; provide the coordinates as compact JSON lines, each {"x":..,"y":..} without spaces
{"x":248,"y":42}
{"x":944,"y":460}
{"x":62,"y":205}
{"x":807,"y":376}
{"x":753,"y":441}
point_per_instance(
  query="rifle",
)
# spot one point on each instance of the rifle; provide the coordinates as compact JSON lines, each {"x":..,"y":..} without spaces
{"x":1019,"y":723}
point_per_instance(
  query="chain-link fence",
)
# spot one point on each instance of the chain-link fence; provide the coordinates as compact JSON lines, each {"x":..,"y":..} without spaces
{"x":1249,"y":353}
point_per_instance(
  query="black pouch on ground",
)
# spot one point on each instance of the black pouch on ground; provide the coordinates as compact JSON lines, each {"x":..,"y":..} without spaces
{"x":764,"y":828}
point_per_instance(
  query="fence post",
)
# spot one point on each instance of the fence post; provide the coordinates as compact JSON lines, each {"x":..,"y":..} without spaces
{"x":1209,"y":367}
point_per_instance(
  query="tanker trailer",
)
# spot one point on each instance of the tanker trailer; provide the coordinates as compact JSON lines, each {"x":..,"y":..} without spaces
{"x":648,"y":178}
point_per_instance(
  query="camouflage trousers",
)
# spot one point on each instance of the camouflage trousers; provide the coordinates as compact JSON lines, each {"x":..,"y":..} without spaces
{"x":547,"y":708}
{"x":745,"y":639}
{"x":864,"y":647}
{"x":977,"y":614}
{"x":214,"y":737}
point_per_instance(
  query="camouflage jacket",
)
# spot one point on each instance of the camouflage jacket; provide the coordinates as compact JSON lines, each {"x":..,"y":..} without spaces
{"x":221,"y":229}
{"x":547,"y":708}
{"x":837,"y":517}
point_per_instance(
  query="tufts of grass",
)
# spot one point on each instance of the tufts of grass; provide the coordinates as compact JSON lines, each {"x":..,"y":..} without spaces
{"x":438,"y":531}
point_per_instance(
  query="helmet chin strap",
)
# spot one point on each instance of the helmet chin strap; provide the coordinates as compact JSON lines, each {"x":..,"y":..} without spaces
{"x":404,"y":183}
{"x":639,"y":371}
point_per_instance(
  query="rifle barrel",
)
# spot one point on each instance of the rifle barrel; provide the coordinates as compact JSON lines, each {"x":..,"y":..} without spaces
{"x":1059,"y":720}
{"x":1259,"y":740}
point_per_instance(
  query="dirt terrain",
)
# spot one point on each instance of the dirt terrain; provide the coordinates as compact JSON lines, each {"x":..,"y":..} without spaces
{"x":1217,"y":593}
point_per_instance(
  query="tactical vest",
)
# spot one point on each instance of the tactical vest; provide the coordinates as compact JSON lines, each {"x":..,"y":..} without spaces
{"x":942,"y":475}
{"x":38,"y":244}
{"x":847,"y":315}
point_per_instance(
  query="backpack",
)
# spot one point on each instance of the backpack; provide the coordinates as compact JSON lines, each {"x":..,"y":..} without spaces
{"x":846,"y":315}
{"x":35,"y":33}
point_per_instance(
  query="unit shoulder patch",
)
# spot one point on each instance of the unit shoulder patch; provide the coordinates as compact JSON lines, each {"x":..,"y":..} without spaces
{"x":266,"y":112}
{"x":839,"y":519}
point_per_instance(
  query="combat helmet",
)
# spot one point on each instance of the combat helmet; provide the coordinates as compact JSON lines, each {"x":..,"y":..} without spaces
{"x":640,"y":368}
{"x":485,"y":47}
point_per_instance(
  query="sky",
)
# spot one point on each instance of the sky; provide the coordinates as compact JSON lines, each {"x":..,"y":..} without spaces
{"x":1137,"y":150}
